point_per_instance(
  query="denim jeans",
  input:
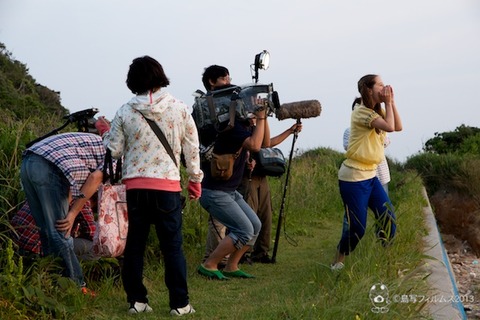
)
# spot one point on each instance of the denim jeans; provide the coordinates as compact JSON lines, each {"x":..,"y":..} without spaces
{"x":163,"y":209}
{"x":357,"y":198}
{"x":46,"y":189}
{"x":234,"y":213}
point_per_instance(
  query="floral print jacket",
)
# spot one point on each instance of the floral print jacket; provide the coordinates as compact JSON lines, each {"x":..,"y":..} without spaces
{"x":143,"y":154}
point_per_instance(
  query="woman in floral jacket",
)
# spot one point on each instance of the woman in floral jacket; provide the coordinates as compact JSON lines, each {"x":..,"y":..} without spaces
{"x":152,"y":179}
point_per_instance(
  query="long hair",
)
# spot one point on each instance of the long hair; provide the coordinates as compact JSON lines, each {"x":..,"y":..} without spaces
{"x":367,"y":82}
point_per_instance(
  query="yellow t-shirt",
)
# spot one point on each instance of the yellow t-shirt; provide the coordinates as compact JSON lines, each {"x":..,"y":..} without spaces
{"x":365,"y":146}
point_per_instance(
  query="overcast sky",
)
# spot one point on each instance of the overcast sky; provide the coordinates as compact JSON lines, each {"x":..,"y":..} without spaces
{"x":428,"y":50}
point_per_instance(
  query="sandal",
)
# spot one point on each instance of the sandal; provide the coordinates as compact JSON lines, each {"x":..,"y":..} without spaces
{"x":238,"y":274}
{"x":212,"y":274}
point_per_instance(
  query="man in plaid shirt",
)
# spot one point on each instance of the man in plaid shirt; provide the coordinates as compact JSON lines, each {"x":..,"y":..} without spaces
{"x":51,"y":168}
{"x":27,"y":237}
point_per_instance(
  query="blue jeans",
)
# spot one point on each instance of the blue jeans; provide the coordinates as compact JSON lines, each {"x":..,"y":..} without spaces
{"x":234,"y":213}
{"x":163,"y":209}
{"x":46,"y":189}
{"x":357,"y":198}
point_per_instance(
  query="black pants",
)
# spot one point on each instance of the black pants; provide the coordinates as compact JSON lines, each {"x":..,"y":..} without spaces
{"x":162,"y":209}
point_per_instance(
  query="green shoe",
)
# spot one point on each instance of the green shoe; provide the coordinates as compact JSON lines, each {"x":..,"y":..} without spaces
{"x":238,"y":274}
{"x":212,"y":274}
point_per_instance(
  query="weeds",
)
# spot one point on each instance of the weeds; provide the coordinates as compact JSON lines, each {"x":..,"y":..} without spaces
{"x":299,"y":286}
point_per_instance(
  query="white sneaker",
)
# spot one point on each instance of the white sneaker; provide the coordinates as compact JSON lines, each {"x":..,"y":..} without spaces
{"x":337,"y":266}
{"x":138,"y":307}
{"x":181,"y":311}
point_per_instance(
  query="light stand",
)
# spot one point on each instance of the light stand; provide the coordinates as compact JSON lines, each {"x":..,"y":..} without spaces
{"x":262,"y":61}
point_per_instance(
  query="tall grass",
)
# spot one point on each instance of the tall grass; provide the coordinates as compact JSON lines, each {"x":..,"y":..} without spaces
{"x":300,"y":285}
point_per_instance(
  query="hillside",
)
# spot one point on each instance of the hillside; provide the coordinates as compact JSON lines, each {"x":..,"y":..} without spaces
{"x":21,"y":97}
{"x":28,"y":110}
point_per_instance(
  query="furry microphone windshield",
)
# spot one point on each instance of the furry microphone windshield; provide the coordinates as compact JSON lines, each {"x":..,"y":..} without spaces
{"x":299,"y":110}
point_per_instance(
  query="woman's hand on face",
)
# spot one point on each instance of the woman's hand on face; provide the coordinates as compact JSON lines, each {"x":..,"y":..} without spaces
{"x":386,"y":95}
{"x":391,"y":93}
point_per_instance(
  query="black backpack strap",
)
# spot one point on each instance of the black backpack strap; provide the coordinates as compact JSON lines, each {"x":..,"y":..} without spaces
{"x":211,"y":108}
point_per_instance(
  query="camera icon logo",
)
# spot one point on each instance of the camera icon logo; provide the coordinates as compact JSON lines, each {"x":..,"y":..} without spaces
{"x":379,"y":297}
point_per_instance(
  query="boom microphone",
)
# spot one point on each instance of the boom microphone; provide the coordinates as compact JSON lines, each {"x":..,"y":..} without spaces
{"x":299,"y":110}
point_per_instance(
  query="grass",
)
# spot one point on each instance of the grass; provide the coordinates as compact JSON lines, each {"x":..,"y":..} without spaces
{"x":300,"y":285}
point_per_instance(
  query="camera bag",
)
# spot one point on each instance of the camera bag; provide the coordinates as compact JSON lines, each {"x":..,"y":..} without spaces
{"x":221,"y":165}
{"x":270,"y":162}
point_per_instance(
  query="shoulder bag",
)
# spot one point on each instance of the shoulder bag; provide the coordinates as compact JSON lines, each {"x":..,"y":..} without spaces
{"x":221,"y":165}
{"x":271,"y":162}
{"x":168,"y":148}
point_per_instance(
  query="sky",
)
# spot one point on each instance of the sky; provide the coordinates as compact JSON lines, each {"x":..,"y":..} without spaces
{"x":428,"y":51}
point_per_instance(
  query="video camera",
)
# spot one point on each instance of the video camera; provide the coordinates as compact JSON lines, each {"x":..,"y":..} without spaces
{"x":219,"y":108}
{"x":84,"y":118}
{"x":240,"y":102}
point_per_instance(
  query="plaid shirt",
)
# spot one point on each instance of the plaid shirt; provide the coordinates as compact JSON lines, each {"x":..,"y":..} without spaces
{"x":76,"y":154}
{"x":27,"y":235}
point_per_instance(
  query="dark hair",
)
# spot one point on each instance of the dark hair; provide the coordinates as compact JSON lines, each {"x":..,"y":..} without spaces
{"x":213,"y":73}
{"x":146,"y":74}
{"x":367,"y":82}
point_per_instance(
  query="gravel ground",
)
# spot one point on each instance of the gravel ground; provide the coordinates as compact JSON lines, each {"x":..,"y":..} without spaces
{"x":466,"y":266}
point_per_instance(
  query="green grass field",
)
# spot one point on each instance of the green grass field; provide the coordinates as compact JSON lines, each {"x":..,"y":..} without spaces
{"x":300,"y":285}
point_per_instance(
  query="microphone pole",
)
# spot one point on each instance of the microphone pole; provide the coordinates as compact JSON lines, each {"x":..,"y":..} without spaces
{"x":282,"y":206}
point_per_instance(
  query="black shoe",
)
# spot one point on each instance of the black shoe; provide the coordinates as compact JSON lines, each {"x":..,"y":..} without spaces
{"x":246,"y":259}
{"x":262,"y":259}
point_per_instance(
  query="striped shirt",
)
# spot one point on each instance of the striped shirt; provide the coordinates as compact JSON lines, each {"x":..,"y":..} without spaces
{"x":76,"y":154}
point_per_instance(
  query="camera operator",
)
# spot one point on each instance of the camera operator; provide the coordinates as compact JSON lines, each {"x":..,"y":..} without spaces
{"x":213,"y":78}
{"x":220,"y":197}
{"x":50,"y":169}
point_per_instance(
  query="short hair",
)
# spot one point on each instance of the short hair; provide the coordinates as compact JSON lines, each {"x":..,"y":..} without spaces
{"x":146,"y":74}
{"x":213,"y":73}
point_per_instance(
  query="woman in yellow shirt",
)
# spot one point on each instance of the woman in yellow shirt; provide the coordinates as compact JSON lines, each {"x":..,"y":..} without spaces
{"x":359,"y":187}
